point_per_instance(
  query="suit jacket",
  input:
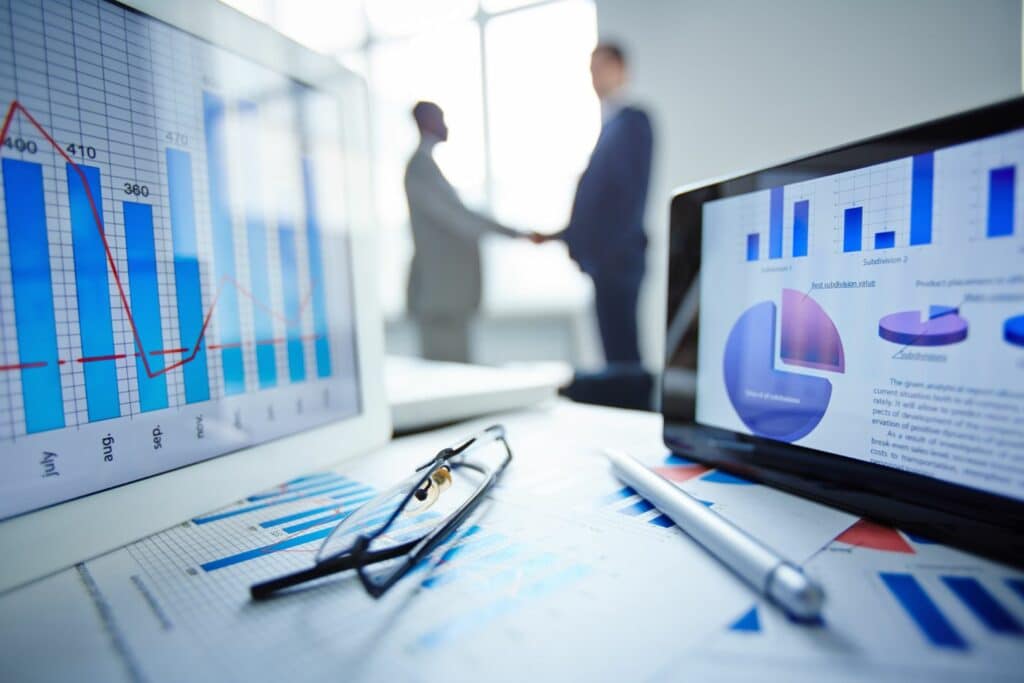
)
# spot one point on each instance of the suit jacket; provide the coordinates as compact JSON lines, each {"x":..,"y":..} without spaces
{"x":606,"y":228}
{"x":445,"y":279}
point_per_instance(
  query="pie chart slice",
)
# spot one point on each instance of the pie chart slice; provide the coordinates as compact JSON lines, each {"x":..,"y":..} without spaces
{"x":809,"y":337}
{"x":772,"y":403}
{"x":943,"y":326}
{"x":1013,"y":331}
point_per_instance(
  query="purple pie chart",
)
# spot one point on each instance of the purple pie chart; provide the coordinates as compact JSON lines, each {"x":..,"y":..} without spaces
{"x":942,"y":327}
{"x":772,"y":403}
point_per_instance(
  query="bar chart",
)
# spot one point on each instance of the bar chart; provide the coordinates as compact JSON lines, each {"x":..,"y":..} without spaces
{"x":174,"y":267}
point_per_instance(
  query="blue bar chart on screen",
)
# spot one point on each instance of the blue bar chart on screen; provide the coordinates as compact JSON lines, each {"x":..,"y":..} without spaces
{"x":162,"y":291}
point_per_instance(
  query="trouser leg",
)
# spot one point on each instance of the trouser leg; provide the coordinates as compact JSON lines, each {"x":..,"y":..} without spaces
{"x":616,"y":302}
{"x":445,"y":339}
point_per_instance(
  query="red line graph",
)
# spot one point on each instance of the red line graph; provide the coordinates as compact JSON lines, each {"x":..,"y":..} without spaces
{"x":192,"y":351}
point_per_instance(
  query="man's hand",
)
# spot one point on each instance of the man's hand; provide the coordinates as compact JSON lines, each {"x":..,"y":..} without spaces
{"x":538,"y":238}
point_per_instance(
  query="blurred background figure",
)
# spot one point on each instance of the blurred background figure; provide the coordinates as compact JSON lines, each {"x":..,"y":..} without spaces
{"x":444,"y":279}
{"x":606,"y":235}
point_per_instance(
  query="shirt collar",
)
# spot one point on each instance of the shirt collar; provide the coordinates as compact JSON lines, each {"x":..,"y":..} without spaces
{"x":612,"y":105}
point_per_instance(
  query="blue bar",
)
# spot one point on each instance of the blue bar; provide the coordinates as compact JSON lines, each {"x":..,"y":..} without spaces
{"x":229,"y":327}
{"x":259,"y":261}
{"x":621,"y":494}
{"x":145,"y":299}
{"x":637,"y":508}
{"x":853,"y":222}
{"x":676,"y":459}
{"x":775,"y":224}
{"x":358,"y":497}
{"x":1017,"y":586}
{"x":748,"y":623}
{"x":33,"y":295}
{"x":720,"y":477}
{"x":266,"y":550}
{"x":309,"y":524}
{"x":292,"y":488}
{"x":316,"y":274}
{"x":801,"y":227}
{"x":753,"y":246}
{"x":983,"y":604}
{"x":95,"y":320}
{"x":187,"y":286}
{"x":922,"y":183}
{"x":279,"y":501}
{"x":292,"y":310}
{"x":1001,"y":183}
{"x":663,"y":521}
{"x":885,"y":240}
{"x":925,"y":613}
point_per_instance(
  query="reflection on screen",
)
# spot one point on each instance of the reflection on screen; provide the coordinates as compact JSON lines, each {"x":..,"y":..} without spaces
{"x":175,"y":277}
{"x":876,"y":314}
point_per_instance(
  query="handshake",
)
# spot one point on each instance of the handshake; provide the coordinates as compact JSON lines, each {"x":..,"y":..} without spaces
{"x":539,"y":237}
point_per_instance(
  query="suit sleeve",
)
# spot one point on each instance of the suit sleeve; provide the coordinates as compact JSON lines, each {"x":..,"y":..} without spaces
{"x":436,"y":198}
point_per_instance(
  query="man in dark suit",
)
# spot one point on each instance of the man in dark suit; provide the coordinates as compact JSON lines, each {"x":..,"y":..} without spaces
{"x":606,"y":234}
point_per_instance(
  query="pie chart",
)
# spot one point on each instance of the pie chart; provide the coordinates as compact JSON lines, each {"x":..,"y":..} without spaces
{"x":942,"y":327}
{"x":778,"y":404}
{"x":1013,"y":330}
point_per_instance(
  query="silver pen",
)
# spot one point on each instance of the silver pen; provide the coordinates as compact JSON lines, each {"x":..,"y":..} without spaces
{"x":780,"y":581}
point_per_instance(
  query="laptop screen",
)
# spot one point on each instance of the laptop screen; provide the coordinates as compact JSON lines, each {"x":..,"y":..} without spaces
{"x":876,"y":313}
{"x":175,"y":281}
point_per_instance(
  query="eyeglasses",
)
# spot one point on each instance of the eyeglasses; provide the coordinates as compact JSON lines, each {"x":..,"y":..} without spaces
{"x":392,"y":533}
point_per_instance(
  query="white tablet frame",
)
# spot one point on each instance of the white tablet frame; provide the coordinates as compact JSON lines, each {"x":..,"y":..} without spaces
{"x":38,"y":543}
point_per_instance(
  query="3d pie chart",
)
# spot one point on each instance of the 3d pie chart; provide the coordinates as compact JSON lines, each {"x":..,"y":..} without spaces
{"x":942,"y":327}
{"x":778,"y":404}
{"x":1013,"y":330}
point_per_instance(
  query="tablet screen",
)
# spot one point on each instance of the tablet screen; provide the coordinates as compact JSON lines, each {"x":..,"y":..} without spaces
{"x":175,"y":281}
{"x":876,"y":313}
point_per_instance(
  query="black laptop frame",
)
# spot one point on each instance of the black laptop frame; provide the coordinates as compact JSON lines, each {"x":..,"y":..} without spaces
{"x":969,"y":518}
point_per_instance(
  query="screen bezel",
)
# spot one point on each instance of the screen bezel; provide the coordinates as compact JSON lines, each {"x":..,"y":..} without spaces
{"x":37,"y":543}
{"x":971,"y":518}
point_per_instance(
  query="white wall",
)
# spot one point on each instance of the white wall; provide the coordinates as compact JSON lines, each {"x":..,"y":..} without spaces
{"x":737,"y":84}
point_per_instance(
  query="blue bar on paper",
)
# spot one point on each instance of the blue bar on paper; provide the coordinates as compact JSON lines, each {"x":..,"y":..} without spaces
{"x":229,"y":326}
{"x":1001,"y":183}
{"x":801,"y":227}
{"x":676,"y":459}
{"x":885,"y":240}
{"x":637,"y":508}
{"x":186,"y":275}
{"x":983,"y":604}
{"x":95,"y":319}
{"x":663,"y":521}
{"x":922,"y":187}
{"x":33,"y":295}
{"x":753,"y":246}
{"x":259,"y":261}
{"x":287,"y":543}
{"x":621,"y":494}
{"x":853,"y":223}
{"x":925,"y":613}
{"x":300,"y":486}
{"x":292,"y":304}
{"x":775,"y":224}
{"x":145,"y":300}
{"x":748,"y":623}
{"x":277,"y":501}
{"x":1017,"y":586}
{"x":720,"y":477}
{"x":357,"y":500}
{"x":319,"y":521}
{"x":321,"y":344}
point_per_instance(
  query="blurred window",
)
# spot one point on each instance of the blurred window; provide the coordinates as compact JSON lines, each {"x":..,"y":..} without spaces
{"x":512,"y":77}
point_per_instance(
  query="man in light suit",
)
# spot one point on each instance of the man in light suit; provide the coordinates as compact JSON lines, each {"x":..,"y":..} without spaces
{"x":606,"y":234}
{"x":445,"y":278}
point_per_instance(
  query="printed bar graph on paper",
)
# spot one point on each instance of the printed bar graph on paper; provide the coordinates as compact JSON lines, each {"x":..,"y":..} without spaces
{"x":885,"y":240}
{"x":922,"y":186}
{"x":775,"y":224}
{"x":853,"y":222}
{"x":316,"y":273}
{"x":292,"y":312}
{"x":33,"y":295}
{"x":259,"y":261}
{"x":753,"y":246}
{"x":801,"y":216}
{"x":95,"y":319}
{"x":923,"y":611}
{"x":186,"y":275}
{"x":229,"y":326}
{"x":145,"y":303}
{"x":984,"y":605}
{"x":1001,"y":183}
